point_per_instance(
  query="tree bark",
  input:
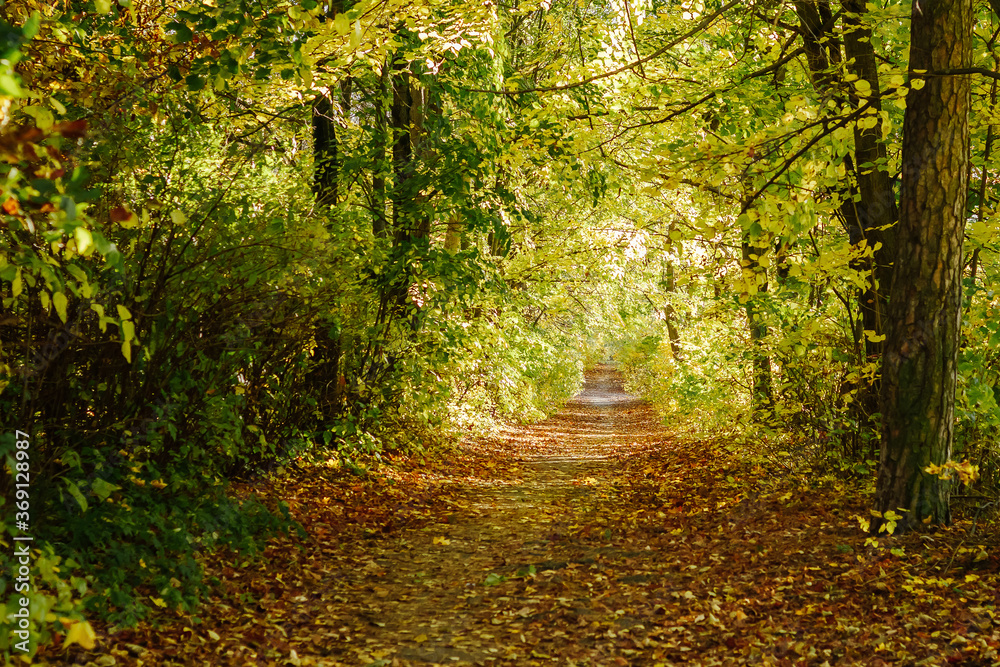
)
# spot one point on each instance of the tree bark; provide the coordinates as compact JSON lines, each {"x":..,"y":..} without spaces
{"x":325,"y":150}
{"x":411,"y":219}
{"x":380,"y":168}
{"x":876,"y":211}
{"x":669,"y":314}
{"x":869,"y":203}
{"x":921,"y":348}
{"x":761,"y":394}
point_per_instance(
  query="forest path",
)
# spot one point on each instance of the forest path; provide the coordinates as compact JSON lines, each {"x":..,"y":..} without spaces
{"x":489,"y":583}
{"x":591,"y":538}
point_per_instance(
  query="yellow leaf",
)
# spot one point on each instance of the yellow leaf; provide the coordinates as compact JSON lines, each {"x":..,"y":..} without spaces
{"x":81,"y":633}
{"x":127,"y":352}
{"x":158,"y":602}
{"x":43,"y":117}
{"x":84,"y":241}
{"x":341,"y":24}
{"x":123,"y":313}
{"x":420,"y":639}
{"x":213,"y":635}
{"x":59,"y":301}
{"x":128,"y":330}
{"x":131,"y":222}
{"x":442,"y":540}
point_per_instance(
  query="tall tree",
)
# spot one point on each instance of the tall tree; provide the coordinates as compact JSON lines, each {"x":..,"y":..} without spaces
{"x":921,"y":348}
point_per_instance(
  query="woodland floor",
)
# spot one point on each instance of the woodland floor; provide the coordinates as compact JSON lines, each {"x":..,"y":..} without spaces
{"x":591,"y":538}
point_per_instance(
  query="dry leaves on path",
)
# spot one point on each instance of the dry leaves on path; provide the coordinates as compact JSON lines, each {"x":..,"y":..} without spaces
{"x":591,"y":538}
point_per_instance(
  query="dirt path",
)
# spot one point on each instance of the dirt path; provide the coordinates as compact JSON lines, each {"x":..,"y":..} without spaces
{"x":479,"y":588}
{"x":618,"y":546}
{"x":587,"y":539}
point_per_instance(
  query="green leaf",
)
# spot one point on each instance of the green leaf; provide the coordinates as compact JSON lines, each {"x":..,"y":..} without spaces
{"x":74,"y":491}
{"x":30,"y":27}
{"x":102,"y":488}
{"x":9,"y":86}
{"x":182,"y":33}
{"x":493,"y":579}
{"x":102,"y":244}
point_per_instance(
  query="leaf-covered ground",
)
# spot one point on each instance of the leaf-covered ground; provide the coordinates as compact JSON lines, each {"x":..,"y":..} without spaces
{"x":589,"y":539}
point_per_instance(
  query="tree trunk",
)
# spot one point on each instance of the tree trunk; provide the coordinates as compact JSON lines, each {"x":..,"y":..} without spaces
{"x":869,"y":203}
{"x":380,"y":168}
{"x":875,"y":212}
{"x":411,"y":219}
{"x":761,"y":395}
{"x":921,"y":348}
{"x":402,"y":152}
{"x":453,"y":235}
{"x":669,"y":314}
{"x":325,"y":150}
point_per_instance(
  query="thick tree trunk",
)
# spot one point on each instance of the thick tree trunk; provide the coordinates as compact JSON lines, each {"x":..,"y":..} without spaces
{"x":919,"y":361}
